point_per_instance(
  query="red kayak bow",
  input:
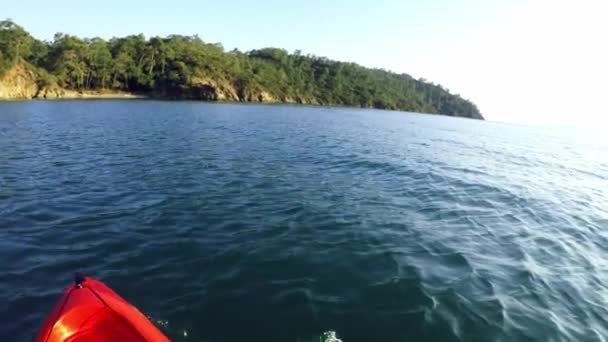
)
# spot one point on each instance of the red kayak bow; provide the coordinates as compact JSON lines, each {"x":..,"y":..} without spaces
{"x":90,"y":311}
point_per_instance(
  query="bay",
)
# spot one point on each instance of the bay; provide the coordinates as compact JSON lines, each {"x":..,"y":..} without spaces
{"x":229,"y":222}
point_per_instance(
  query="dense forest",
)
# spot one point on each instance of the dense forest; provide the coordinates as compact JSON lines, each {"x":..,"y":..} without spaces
{"x":187,"y":67}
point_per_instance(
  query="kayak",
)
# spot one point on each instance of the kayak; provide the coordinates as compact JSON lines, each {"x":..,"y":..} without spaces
{"x":90,"y":311}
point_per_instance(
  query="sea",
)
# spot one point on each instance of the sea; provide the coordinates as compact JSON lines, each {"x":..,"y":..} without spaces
{"x":241,"y":222}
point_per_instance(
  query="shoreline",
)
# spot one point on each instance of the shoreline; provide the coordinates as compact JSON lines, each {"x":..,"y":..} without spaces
{"x":92,"y":94}
{"x":75,"y":95}
{"x":97,"y":95}
{"x":135,"y":96}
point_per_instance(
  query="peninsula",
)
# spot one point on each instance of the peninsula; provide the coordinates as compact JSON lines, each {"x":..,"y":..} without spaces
{"x":186,"y":67}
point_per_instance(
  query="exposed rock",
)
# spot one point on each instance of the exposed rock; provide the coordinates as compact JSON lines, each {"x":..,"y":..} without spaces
{"x":206,"y":89}
{"x":227,"y":94}
{"x":287,"y":99}
{"x":25,"y":81}
{"x":266,"y":97}
{"x":90,"y":94}
{"x":255,"y":95}
{"x":50,"y":93}
{"x":19,"y":82}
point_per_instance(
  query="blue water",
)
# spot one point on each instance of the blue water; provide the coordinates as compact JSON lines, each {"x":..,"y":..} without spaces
{"x":278,"y":223}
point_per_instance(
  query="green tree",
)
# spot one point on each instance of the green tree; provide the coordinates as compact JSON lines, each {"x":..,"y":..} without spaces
{"x":15,"y":42}
{"x":186,"y":66}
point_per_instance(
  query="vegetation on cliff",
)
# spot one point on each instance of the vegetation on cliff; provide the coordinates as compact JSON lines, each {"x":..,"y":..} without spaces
{"x":187,"y":67}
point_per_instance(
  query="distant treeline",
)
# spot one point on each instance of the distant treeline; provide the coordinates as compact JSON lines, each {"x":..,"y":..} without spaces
{"x":175,"y":65}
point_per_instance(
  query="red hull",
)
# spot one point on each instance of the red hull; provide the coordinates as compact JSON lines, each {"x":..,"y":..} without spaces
{"x":90,"y":311}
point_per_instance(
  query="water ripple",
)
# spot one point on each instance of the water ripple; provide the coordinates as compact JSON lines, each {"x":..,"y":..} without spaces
{"x":279,"y":223}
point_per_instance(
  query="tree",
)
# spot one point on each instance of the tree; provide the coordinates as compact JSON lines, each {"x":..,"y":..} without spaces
{"x":186,"y":66}
{"x":15,"y":42}
{"x":98,"y":59}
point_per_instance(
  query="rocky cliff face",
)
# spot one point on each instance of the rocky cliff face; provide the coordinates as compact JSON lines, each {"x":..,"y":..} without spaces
{"x":203,"y":88}
{"x":19,"y":83}
{"x":24,"y":82}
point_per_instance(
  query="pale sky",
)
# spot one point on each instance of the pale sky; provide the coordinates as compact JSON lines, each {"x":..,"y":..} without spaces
{"x":535,"y":62}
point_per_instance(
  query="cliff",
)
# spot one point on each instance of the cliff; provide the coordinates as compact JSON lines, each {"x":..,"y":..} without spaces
{"x":22,"y":82}
{"x":25,"y":82}
{"x":207,"y":89}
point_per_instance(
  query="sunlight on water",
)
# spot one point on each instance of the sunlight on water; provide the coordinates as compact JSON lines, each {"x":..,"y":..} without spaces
{"x":269,"y":223}
{"x":330,"y":336}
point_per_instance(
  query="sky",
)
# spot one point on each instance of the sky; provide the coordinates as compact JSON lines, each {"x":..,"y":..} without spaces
{"x":534,"y":62}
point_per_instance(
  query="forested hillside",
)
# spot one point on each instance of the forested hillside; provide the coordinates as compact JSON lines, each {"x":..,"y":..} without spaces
{"x":186,"y":67}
